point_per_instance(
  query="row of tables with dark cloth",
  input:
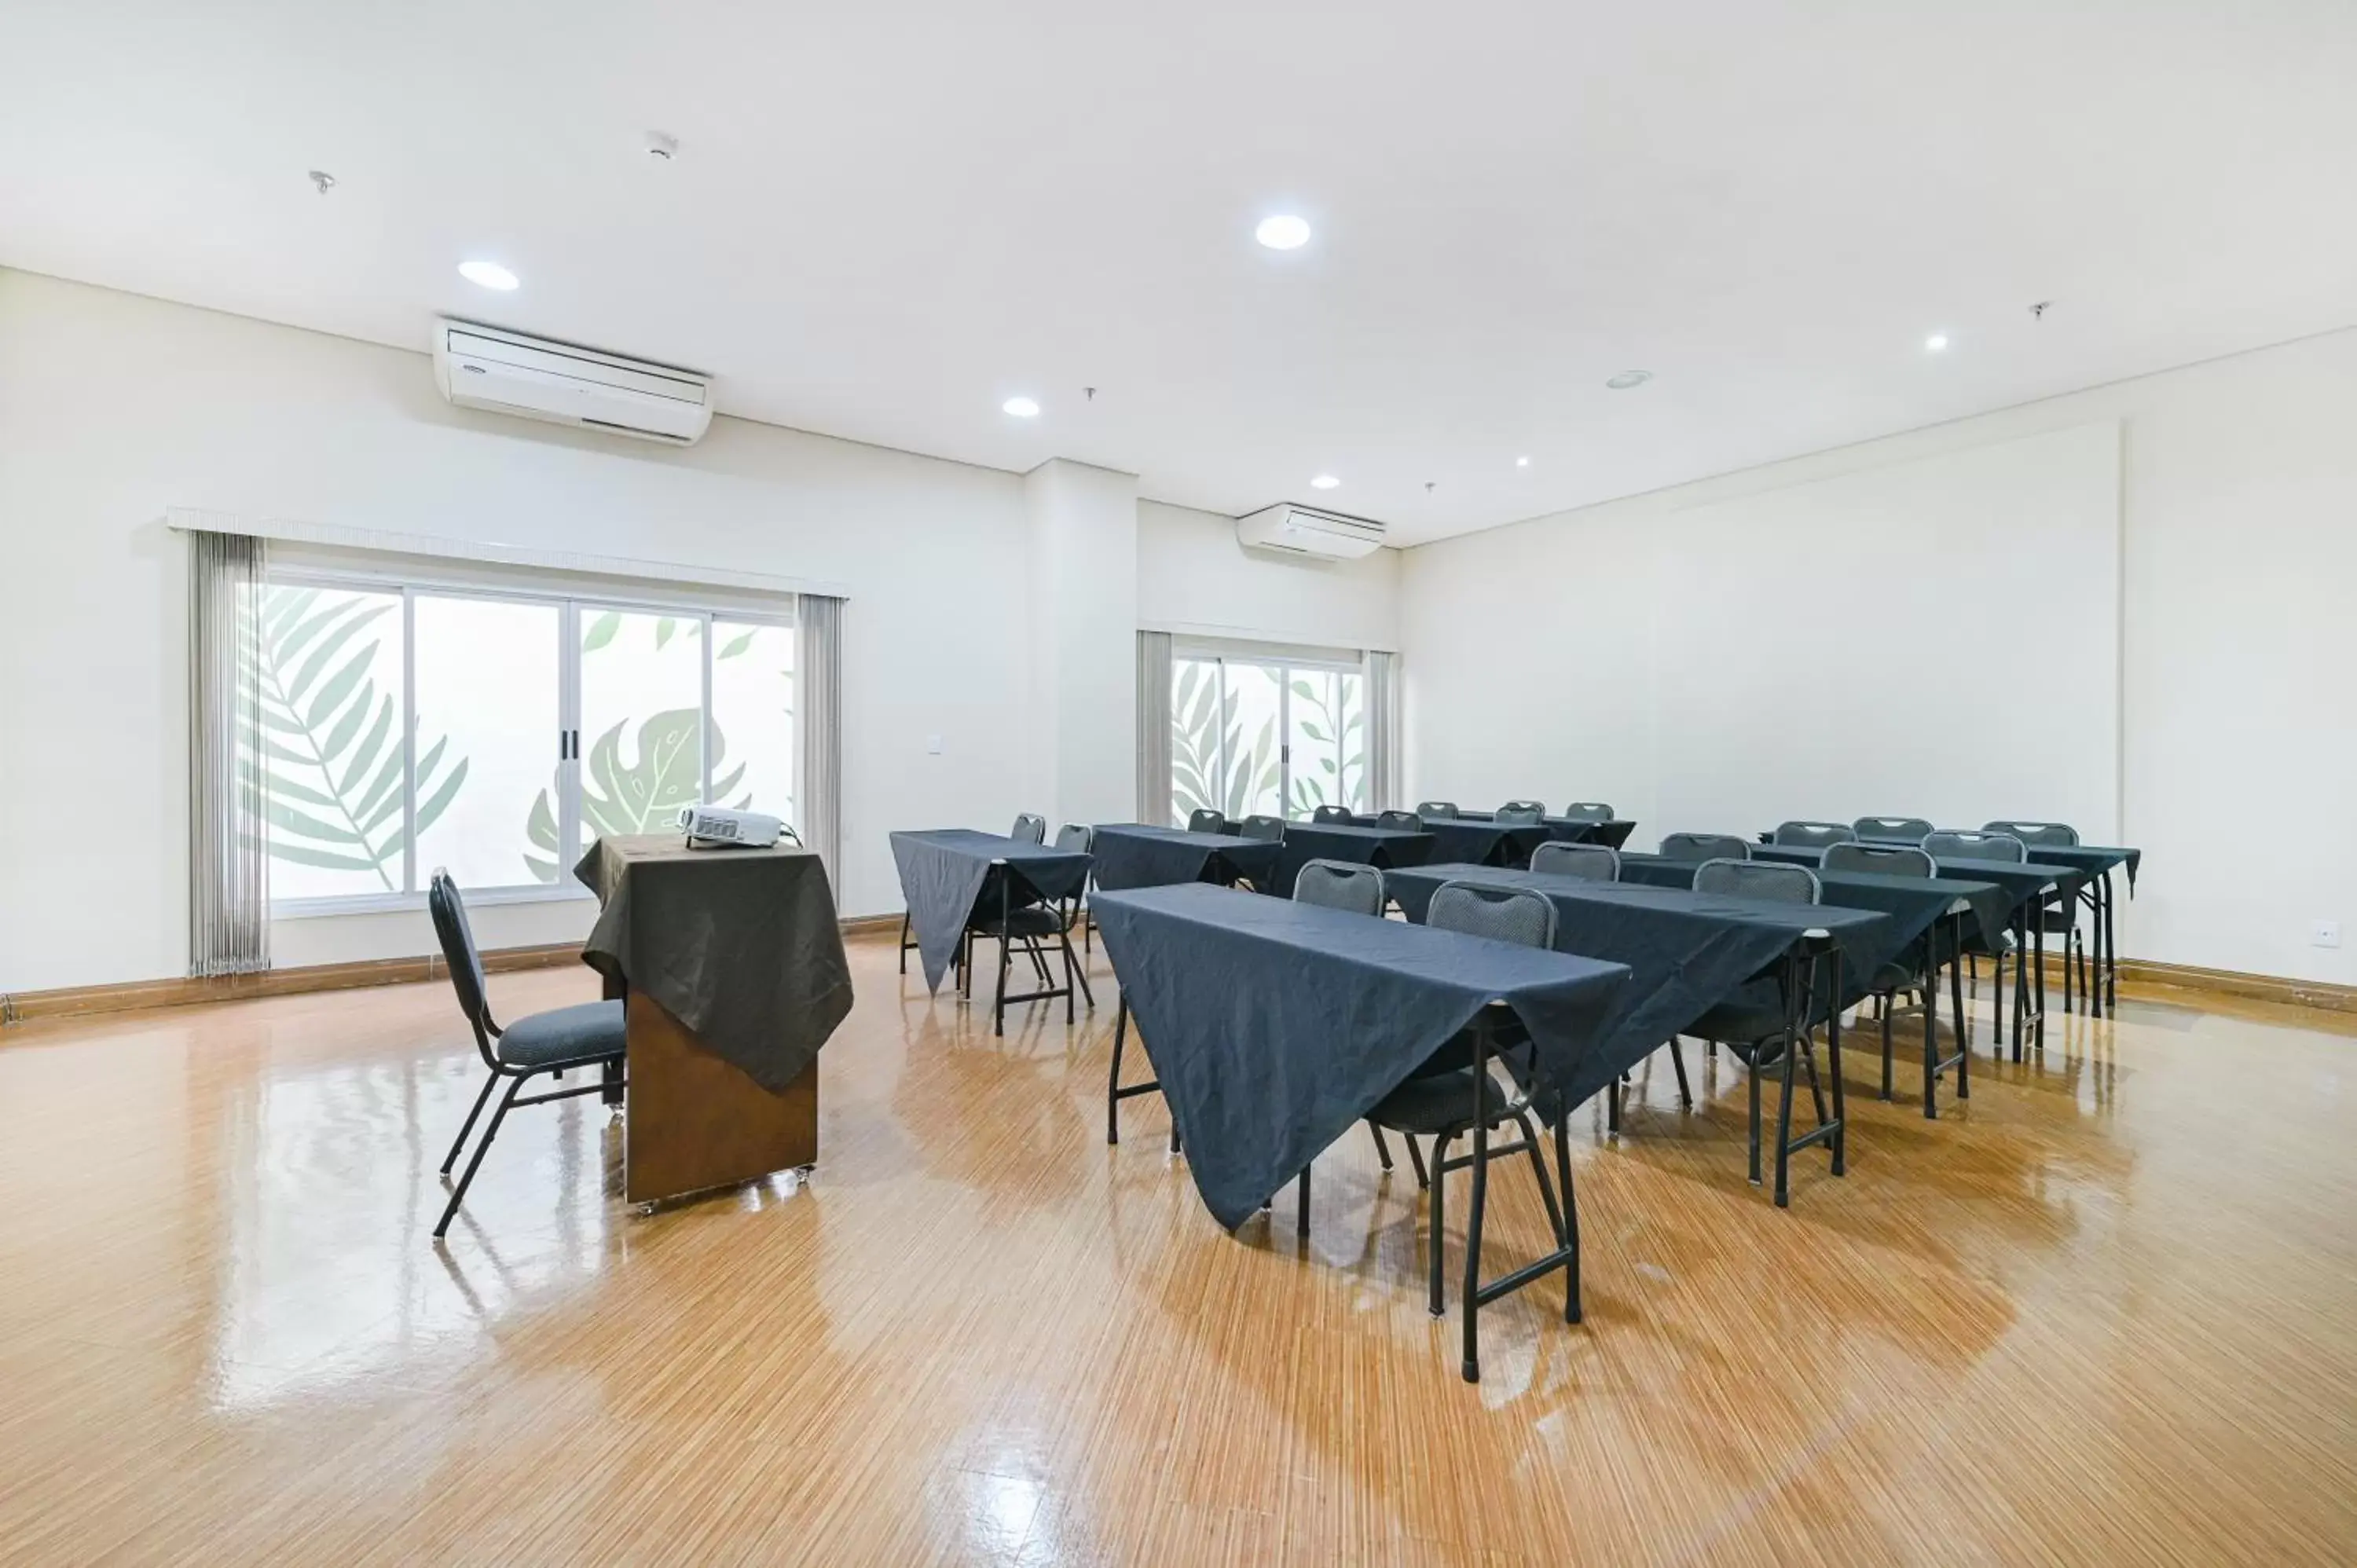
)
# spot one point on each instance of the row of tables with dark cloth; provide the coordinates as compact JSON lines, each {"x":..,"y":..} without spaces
{"x":2026,"y":887}
{"x":1686,"y":951}
{"x":2095,"y":865}
{"x":1133,"y":855}
{"x":1611,"y":832}
{"x":946,"y":874}
{"x":1274,"y":1025}
{"x":1913,"y":903}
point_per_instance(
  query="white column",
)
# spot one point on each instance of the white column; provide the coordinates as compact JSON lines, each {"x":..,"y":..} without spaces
{"x":1080,"y":743}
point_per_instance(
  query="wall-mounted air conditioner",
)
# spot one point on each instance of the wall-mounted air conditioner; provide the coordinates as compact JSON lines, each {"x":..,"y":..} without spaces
{"x":508,"y":372}
{"x":1306,"y":530}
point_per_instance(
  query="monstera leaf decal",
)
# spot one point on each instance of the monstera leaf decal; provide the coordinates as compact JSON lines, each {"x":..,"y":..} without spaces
{"x":641,"y":796}
{"x":329,"y":748}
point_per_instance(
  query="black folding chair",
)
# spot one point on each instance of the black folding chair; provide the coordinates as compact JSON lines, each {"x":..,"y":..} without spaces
{"x":1521,"y":812}
{"x":1270,"y":829}
{"x":999,"y":916}
{"x":1815,"y":835}
{"x":1911,"y":829}
{"x":1589,"y":861}
{"x":1916,"y":970}
{"x":2060,"y":915}
{"x":1406,"y":821}
{"x":1455,"y":1095}
{"x":1763,"y":1035}
{"x":1587,"y":811}
{"x":1331,"y":814}
{"x":1444,"y":809}
{"x":2027,"y":1012}
{"x":1203,"y":820}
{"x":1703,"y":846}
{"x":587,"y":1034}
{"x":1081,"y":840}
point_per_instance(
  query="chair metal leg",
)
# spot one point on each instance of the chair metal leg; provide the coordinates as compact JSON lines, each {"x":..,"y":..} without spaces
{"x":904,"y":941}
{"x":489,"y":1132}
{"x":1301,"y":1191}
{"x":469,"y":1124}
{"x":1888,"y":1000}
{"x":1678,"y":1060}
{"x":1113,"y":1076}
{"x":1964,"y":1024}
{"x":1075,"y":970}
{"x":1833,"y":1067}
{"x":1382,"y":1150}
{"x":1433,"y":1212}
{"x":1754,"y":1076}
{"x":1415,"y":1162}
{"x":1571,"y":1308}
{"x":1539,"y":1170}
{"x":1473,"y":1305}
{"x":1784,"y":1125}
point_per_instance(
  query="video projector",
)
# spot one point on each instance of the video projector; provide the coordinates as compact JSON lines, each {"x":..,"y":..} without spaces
{"x":718,"y":827}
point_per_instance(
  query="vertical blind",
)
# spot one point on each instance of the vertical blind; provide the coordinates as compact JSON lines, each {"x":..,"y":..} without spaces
{"x":820,"y":657}
{"x":1154,"y":726}
{"x":1382,"y":729}
{"x":229,"y":865}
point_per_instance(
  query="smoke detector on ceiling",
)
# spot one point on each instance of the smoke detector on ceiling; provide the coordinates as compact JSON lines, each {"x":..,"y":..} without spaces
{"x":661,"y":146}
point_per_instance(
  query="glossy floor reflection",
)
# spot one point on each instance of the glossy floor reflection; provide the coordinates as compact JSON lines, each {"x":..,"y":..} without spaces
{"x":2105,"y":1312}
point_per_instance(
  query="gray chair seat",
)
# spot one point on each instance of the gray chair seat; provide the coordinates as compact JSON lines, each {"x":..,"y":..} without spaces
{"x":1438,"y":1102}
{"x":1743,"y":1020}
{"x":563,"y":1035}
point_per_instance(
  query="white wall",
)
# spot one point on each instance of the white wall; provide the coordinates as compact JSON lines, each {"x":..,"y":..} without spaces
{"x":113,"y":408}
{"x":2236,"y":759}
{"x":1193,"y":576}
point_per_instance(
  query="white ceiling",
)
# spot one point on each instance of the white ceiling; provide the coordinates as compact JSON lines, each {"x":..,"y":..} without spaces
{"x":885,"y":218}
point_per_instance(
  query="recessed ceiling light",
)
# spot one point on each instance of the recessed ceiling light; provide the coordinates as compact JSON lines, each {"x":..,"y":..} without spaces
{"x":1936,"y":342}
{"x":1627,"y":379}
{"x":1283,"y":232}
{"x":1021,"y":407}
{"x":486,"y":274}
{"x":1522,"y":462}
{"x":1324,"y":482}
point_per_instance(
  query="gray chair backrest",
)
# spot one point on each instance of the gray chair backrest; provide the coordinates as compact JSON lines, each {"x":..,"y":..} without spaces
{"x":2035,"y":832}
{"x":1587,"y":811}
{"x":1331,"y":814}
{"x":1909,"y":828}
{"x":1076,"y":835}
{"x":1029,"y":829}
{"x":1501,"y":914}
{"x":1591,"y":862}
{"x":1269,"y":828}
{"x":1704,"y":846}
{"x":1758,"y":879}
{"x":1961,"y":845}
{"x":1519,"y":812}
{"x":457,"y":939}
{"x":1203,"y":820}
{"x":1340,"y":885}
{"x":1817,"y":835}
{"x":1444,"y":809}
{"x":1406,"y":820}
{"x":1882,"y":859}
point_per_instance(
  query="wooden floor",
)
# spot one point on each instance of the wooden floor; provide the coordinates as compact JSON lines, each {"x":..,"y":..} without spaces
{"x":2105,"y":1314}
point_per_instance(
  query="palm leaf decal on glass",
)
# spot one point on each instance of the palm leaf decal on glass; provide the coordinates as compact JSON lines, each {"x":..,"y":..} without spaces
{"x":1194,"y":739}
{"x":329,"y":748}
{"x":642,"y":796}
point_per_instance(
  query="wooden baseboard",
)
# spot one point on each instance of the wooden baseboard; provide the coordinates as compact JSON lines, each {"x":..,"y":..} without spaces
{"x":2277,"y":988}
{"x":79,"y":1001}
{"x":126,"y":996}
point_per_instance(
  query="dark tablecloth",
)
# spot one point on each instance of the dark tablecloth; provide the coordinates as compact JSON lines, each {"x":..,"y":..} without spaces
{"x":1688,"y":951}
{"x":1911,"y":902}
{"x":740,"y":945}
{"x":2088,"y":860}
{"x":2018,"y":882}
{"x":946,"y":871}
{"x":1133,"y":854}
{"x":1275,"y":1026}
{"x":1612,"y":833}
{"x":1306,"y":842}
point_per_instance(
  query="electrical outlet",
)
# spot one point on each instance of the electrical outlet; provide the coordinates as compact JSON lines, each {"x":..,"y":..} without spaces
{"x":2324,"y":934}
{"x":933,"y":744}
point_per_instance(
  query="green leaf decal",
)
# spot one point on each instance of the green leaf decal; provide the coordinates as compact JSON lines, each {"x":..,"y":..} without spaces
{"x":326,"y":754}
{"x":601,"y":631}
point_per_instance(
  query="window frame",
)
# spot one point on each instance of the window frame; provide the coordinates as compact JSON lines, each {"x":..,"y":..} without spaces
{"x":570,"y":603}
{"x":1284,"y":662}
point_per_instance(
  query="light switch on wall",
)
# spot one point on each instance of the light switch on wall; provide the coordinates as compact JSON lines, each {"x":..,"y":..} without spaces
{"x":2325,"y":934}
{"x":933,"y":744}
